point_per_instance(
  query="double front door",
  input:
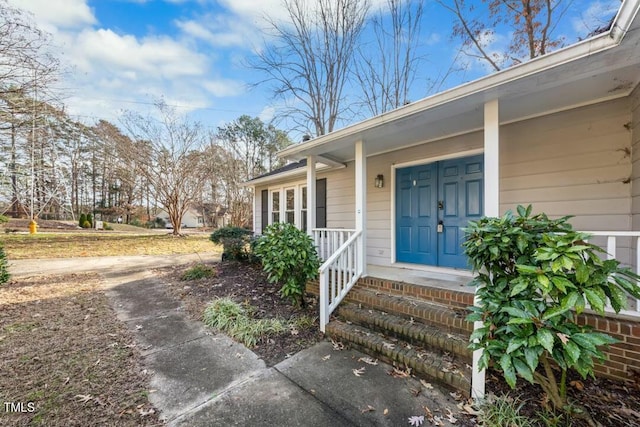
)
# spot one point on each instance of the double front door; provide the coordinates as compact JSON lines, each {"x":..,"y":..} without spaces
{"x":434,"y":202}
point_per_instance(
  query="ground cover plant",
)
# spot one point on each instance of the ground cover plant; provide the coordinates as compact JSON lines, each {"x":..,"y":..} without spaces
{"x":63,"y":350}
{"x":246,"y":285}
{"x":535,"y":276}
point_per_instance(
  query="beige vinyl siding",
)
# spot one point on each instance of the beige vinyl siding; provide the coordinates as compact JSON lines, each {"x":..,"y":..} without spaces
{"x":571,"y":163}
{"x":634,"y":126}
{"x":576,"y":163}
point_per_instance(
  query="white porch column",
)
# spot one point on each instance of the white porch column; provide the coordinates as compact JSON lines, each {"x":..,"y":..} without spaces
{"x":311,"y":195}
{"x":491,"y":158}
{"x":361,"y":203}
{"x":491,"y":208}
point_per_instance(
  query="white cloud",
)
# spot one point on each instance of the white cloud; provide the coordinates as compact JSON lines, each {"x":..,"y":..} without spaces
{"x":156,"y":57}
{"x":218,"y":31}
{"x":596,"y":15}
{"x":52,"y":14}
{"x":224,"y":87}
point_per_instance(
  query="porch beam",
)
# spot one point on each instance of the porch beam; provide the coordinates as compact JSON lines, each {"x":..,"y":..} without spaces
{"x":311,"y":194}
{"x":361,"y":203}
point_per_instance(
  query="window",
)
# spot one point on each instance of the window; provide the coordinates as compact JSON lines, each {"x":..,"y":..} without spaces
{"x":303,"y":209}
{"x":275,"y":207}
{"x":290,"y":206}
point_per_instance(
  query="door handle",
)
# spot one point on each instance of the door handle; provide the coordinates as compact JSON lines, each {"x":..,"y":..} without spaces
{"x":440,"y":204}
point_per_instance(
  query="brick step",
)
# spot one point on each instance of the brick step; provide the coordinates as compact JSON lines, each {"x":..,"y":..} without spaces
{"x":451,"y":320}
{"x":445,"y":369}
{"x":431,"y":290}
{"x":413,"y":332}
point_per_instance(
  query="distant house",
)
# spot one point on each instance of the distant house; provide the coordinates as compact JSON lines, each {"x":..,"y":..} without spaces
{"x":392,"y":193}
{"x":192,"y":218}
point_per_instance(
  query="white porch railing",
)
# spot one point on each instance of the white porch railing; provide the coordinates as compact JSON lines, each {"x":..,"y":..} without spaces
{"x":329,"y":240}
{"x":338,"y":274}
{"x":633,"y":307}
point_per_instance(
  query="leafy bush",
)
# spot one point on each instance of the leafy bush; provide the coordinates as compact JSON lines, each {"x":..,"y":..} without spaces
{"x":136,"y":223}
{"x":4,"y":267}
{"x":89,"y":220}
{"x":234,"y":241}
{"x":235,"y":320}
{"x":288,"y":257}
{"x":198,"y":271}
{"x":4,"y":219}
{"x":82,"y":220}
{"x":106,"y":226}
{"x":86,"y":224}
{"x":535,"y":276}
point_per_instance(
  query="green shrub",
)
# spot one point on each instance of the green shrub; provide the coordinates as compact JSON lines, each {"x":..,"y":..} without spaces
{"x":235,"y":242}
{"x":4,"y":267}
{"x":4,"y":219}
{"x":198,"y":271}
{"x":288,"y":257}
{"x":89,"y":220}
{"x":82,"y":220}
{"x":86,"y":224}
{"x":535,"y":275}
{"x":136,"y":223}
{"x":106,"y":226}
{"x":235,"y":320}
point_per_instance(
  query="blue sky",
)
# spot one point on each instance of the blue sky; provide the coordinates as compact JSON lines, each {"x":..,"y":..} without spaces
{"x":123,"y":54}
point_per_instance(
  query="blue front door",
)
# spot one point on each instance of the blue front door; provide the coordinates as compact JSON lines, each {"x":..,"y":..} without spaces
{"x":433,"y":203}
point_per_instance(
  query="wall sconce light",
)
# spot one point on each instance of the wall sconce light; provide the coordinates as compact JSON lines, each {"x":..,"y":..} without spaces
{"x":379,"y":183}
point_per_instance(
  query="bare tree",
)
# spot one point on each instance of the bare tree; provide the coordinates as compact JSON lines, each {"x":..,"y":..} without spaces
{"x":386,"y":68}
{"x":532,"y":24}
{"x":249,"y":149}
{"x":310,"y":58}
{"x":168,"y":156}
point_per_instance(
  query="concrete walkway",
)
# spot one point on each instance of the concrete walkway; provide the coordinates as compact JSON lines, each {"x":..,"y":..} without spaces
{"x":200,"y":378}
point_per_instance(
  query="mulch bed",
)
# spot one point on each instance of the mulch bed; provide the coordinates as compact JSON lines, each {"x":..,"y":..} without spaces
{"x":247,"y":283}
{"x":66,"y":360}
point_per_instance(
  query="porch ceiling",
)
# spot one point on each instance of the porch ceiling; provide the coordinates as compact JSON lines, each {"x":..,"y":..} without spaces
{"x":591,"y":71}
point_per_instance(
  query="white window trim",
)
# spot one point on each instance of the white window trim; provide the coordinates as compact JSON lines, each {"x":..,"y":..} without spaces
{"x":297,"y":198}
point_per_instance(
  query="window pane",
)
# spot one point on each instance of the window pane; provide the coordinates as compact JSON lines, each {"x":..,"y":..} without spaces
{"x":290,"y":217}
{"x":304,"y":197}
{"x":291,"y":203}
{"x":304,"y":220}
{"x":275,"y":204}
{"x":275,"y":217}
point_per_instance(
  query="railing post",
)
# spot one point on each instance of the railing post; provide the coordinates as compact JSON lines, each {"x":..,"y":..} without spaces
{"x":324,"y":305}
{"x":611,"y":247}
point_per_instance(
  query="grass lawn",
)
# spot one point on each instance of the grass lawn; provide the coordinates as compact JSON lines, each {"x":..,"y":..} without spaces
{"x":66,"y":359}
{"x":88,"y":244}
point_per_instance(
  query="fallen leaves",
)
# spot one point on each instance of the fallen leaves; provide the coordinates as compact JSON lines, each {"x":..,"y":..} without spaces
{"x":327,"y":357}
{"x":358,"y":372}
{"x":416,"y":420}
{"x":337,"y":345}
{"x":368,"y":361}
{"x":369,"y":408}
{"x":400,"y":373}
